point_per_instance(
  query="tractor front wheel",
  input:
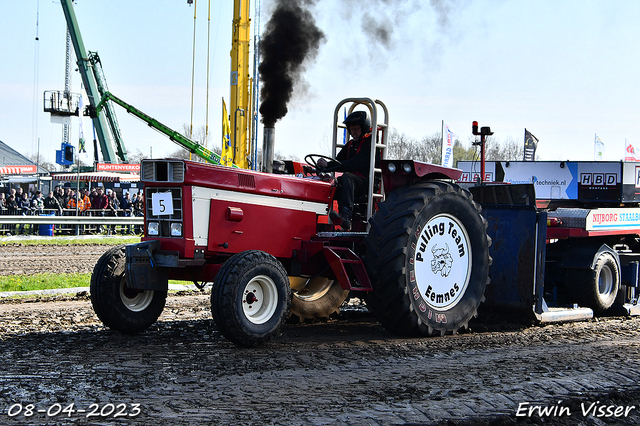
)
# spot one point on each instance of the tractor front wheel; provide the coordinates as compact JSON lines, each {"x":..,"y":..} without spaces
{"x":117,"y":305}
{"x":251,"y":298}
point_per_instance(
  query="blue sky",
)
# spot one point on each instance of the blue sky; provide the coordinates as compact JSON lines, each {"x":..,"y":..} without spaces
{"x":565,"y":70}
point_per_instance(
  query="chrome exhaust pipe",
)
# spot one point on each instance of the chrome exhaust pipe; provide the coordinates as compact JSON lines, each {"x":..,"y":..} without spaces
{"x":268,"y":144}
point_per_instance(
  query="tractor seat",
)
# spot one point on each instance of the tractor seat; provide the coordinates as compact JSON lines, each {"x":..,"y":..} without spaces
{"x":360,"y":203}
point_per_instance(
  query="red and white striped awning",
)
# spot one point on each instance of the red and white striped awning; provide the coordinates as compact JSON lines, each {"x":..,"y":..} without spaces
{"x":96,"y":177}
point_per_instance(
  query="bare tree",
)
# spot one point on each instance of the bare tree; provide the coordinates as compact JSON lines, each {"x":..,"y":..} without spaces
{"x":495,"y":150}
{"x":280,"y":156}
{"x":44,"y":164}
{"x":464,"y":153}
{"x":432,"y":148}
{"x":513,"y":150}
{"x":201,"y":136}
{"x":136,"y":157}
{"x":183,"y":154}
{"x":509,"y":150}
{"x":399,"y":145}
{"x":428,"y":149}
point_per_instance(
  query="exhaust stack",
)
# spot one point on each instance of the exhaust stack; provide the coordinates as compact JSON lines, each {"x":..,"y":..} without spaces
{"x":268,"y":144}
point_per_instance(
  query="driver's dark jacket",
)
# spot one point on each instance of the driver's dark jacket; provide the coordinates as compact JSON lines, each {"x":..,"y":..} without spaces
{"x":355,"y":157}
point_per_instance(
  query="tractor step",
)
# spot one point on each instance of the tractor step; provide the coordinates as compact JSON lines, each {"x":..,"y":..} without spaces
{"x":348,"y":268}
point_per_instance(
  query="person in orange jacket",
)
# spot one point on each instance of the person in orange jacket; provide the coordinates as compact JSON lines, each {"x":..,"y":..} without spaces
{"x":75,"y":200}
{"x":86,"y":200}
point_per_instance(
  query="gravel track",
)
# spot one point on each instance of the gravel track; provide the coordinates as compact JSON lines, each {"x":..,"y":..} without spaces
{"x":347,"y":371}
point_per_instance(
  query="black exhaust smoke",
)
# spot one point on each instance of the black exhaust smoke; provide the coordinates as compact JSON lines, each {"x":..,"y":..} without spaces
{"x":291,"y":37}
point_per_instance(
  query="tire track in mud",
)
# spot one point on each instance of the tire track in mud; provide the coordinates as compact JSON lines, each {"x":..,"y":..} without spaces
{"x":351,"y":371}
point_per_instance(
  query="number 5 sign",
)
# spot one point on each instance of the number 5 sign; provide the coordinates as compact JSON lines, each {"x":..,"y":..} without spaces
{"x":161,"y":203}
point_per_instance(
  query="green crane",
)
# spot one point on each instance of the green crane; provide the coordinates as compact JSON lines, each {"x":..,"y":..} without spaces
{"x":95,"y":85}
{"x":185,"y":142}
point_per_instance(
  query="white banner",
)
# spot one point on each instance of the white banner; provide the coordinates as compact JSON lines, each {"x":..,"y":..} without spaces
{"x":447,"y":145}
{"x":598,"y":149}
{"x":613,"y":219}
{"x":631,"y":153}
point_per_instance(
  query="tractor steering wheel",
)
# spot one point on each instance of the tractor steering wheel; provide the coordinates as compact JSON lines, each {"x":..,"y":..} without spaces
{"x":312,"y":160}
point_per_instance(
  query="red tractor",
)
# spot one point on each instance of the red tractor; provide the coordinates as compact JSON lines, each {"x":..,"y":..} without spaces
{"x":417,"y":253}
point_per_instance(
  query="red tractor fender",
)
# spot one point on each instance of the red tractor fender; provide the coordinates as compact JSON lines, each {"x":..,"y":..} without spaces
{"x":397,"y":173}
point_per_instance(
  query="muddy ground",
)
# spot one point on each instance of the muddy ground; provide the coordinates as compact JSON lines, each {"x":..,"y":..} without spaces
{"x":347,"y":371}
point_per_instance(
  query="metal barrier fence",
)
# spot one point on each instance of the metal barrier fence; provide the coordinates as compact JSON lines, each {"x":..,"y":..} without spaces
{"x":69,"y":222}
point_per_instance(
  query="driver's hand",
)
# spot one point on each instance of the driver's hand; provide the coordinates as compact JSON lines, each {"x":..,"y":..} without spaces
{"x":322,"y":163}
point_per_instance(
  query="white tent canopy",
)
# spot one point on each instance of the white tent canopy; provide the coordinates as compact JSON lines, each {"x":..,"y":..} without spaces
{"x":96,"y":177}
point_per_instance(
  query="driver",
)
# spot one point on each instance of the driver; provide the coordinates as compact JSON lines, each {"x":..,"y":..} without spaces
{"x":354,"y":160}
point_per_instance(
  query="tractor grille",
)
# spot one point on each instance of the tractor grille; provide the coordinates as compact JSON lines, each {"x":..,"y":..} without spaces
{"x":164,"y":221}
{"x":162,"y":171}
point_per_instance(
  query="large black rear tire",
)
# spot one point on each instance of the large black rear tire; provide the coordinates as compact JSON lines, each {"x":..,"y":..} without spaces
{"x":118,"y":306}
{"x":251,"y":298}
{"x":428,"y":259}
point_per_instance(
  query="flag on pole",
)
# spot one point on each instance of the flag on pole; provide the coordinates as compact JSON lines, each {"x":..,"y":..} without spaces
{"x":448,"y":136}
{"x":598,"y":149}
{"x":226,"y":159}
{"x":631,"y":153}
{"x":530,"y":146}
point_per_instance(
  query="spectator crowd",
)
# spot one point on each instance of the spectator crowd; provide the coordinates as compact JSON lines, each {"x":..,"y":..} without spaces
{"x":68,"y":201}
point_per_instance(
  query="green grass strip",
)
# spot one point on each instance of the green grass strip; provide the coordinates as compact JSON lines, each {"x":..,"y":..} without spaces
{"x":43,"y":281}
{"x":66,"y":241}
{"x":50,"y":281}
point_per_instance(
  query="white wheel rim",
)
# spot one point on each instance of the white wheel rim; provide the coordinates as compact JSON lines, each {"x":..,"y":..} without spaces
{"x":605,"y":281}
{"x":260,"y":299}
{"x":442,"y":262}
{"x":133,"y":300}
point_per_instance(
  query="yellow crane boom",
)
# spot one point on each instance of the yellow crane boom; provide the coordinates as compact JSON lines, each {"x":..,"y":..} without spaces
{"x":240,"y":83}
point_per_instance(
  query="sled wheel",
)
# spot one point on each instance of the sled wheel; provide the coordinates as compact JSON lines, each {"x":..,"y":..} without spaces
{"x":598,"y":288}
{"x":316,"y":298}
{"x":118,"y":306}
{"x":428,"y":259}
{"x":251,"y":298}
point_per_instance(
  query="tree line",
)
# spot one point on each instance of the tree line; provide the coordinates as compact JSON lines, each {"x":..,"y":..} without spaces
{"x":429,"y":148}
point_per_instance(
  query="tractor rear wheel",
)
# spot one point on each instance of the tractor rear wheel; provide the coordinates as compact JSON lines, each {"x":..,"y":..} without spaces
{"x":117,"y":305}
{"x":316,"y":298}
{"x":251,"y":298}
{"x":428,"y":259}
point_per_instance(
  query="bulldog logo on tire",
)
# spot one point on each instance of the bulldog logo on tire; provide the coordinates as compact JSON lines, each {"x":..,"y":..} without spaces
{"x":442,"y":260}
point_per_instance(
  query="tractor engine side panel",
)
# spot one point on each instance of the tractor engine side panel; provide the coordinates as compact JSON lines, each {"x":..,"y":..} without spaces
{"x":231,"y":222}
